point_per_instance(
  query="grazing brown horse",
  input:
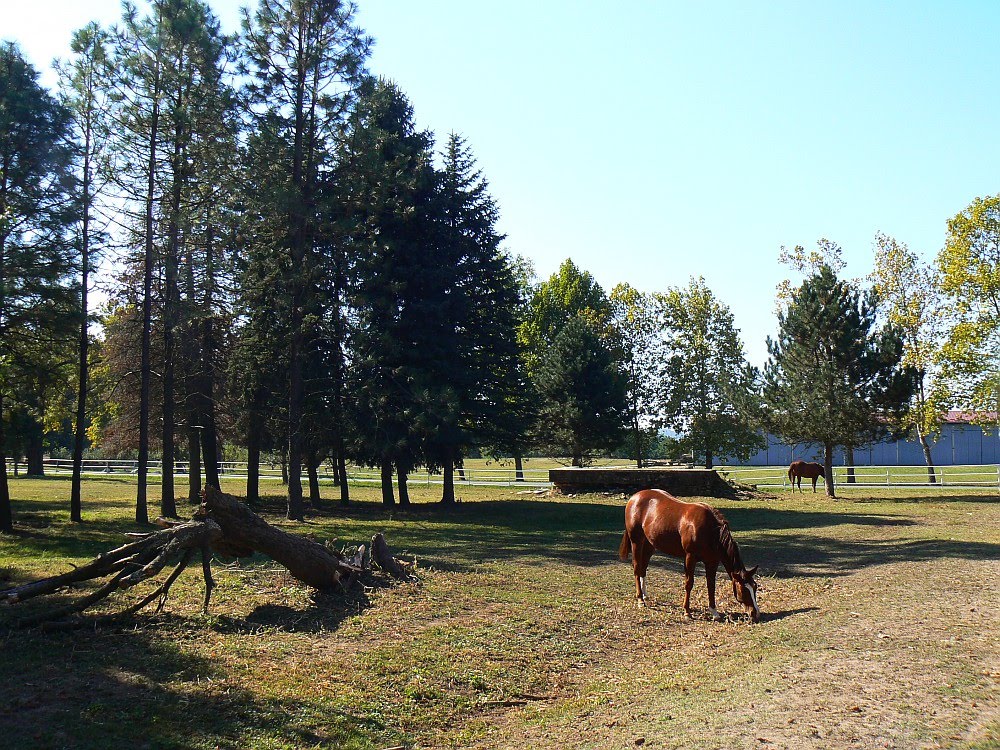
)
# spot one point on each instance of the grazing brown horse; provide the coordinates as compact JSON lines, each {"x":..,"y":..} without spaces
{"x":695,"y":532}
{"x":807,"y":469}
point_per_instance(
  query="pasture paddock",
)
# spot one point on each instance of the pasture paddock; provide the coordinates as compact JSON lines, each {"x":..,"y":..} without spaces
{"x":879,"y":630}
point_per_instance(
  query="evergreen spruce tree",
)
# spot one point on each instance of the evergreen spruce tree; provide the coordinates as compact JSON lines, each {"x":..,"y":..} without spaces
{"x":583,"y":406}
{"x":480,"y":356}
{"x":401,"y":283}
{"x":833,"y":379}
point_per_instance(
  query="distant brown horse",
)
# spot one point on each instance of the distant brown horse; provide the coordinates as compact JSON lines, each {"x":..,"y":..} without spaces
{"x":807,"y":469}
{"x":695,"y":532}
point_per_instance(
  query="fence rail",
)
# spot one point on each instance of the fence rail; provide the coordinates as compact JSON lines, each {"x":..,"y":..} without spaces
{"x":987,"y":475}
{"x":272,"y":472}
{"x":764,"y":476}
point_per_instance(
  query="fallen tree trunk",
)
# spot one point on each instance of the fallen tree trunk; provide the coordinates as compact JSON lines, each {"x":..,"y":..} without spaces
{"x":222,"y":524}
{"x":242,"y":529}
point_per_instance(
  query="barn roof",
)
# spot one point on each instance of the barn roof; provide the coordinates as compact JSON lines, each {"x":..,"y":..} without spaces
{"x":967,"y":416}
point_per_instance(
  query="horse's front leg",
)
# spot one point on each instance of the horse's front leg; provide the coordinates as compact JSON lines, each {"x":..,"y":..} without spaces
{"x":814,"y":483}
{"x":710,"y":571}
{"x":689,"y":564}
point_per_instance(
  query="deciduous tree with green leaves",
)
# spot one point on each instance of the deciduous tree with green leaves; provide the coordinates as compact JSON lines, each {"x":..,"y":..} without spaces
{"x":969,"y":278}
{"x":566,"y":294}
{"x":705,"y":375}
{"x":909,"y":296}
{"x":636,"y":319}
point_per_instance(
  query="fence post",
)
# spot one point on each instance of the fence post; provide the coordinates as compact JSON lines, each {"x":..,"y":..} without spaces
{"x":887,"y":483}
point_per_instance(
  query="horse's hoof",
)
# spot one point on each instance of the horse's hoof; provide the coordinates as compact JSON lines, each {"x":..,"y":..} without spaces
{"x":640,"y":603}
{"x":716,"y":615}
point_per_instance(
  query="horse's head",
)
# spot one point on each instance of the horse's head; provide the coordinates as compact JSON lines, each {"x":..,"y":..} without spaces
{"x":745,"y":591}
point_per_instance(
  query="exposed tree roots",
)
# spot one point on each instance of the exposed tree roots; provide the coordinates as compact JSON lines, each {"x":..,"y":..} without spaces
{"x":221,"y":524}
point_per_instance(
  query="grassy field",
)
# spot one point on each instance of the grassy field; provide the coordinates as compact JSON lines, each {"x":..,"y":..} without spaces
{"x":880,"y":630}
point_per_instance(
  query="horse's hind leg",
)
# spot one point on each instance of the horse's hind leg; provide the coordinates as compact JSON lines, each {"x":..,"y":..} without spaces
{"x":641,"y":552}
{"x":689,"y":564}
{"x":710,"y":571}
{"x":814,"y":483}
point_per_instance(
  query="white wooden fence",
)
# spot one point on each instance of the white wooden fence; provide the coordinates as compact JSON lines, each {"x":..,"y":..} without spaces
{"x":503,"y":477}
{"x":987,"y":475}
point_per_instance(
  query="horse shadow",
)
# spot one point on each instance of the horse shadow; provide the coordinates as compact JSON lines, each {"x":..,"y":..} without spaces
{"x":774,"y":616}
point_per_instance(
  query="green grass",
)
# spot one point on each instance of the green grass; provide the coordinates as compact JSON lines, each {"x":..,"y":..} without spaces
{"x":879,"y":631}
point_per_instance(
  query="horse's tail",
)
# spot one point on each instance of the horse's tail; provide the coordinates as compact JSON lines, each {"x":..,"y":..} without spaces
{"x":625,"y":548}
{"x":789,"y":473}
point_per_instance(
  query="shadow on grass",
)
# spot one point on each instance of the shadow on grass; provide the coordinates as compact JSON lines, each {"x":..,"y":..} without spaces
{"x":917,"y":498}
{"x":325,"y":613}
{"x":139,"y":688}
{"x":787,"y":557}
{"x":771,"y":616}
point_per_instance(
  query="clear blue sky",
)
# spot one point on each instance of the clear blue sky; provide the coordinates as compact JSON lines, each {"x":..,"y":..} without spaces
{"x":655,"y":141}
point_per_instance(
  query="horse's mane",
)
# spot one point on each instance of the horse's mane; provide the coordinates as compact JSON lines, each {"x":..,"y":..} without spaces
{"x":726,"y":540}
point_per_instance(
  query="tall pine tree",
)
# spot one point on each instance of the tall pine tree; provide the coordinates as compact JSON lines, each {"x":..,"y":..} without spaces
{"x":304,"y":59}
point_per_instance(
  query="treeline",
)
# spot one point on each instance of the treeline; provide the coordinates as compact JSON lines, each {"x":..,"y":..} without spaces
{"x":298,"y":269}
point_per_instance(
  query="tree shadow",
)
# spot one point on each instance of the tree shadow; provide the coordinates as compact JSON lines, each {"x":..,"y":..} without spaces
{"x":96,"y":689}
{"x":326,"y":613}
{"x":812,"y":556}
{"x":575,"y":533}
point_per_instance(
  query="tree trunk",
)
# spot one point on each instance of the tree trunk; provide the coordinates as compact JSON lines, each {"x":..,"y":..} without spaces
{"x":518,"y":468}
{"x":141,"y":510}
{"x":6,"y":517}
{"x":253,"y":462}
{"x":296,"y":397}
{"x":708,"y":457}
{"x":404,"y":492}
{"x":312,"y":468}
{"x":448,"y":490}
{"x":243,"y":530}
{"x":388,"y":498}
{"x":345,"y":492}
{"x":210,"y":452}
{"x":168,"y":505}
{"x":194,"y":465}
{"x":206,"y":369}
{"x":35,"y":451}
{"x":75,"y":504}
{"x":638,"y":438}
{"x":849,"y":453}
{"x":925,"y":446}
{"x":828,"y":470}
